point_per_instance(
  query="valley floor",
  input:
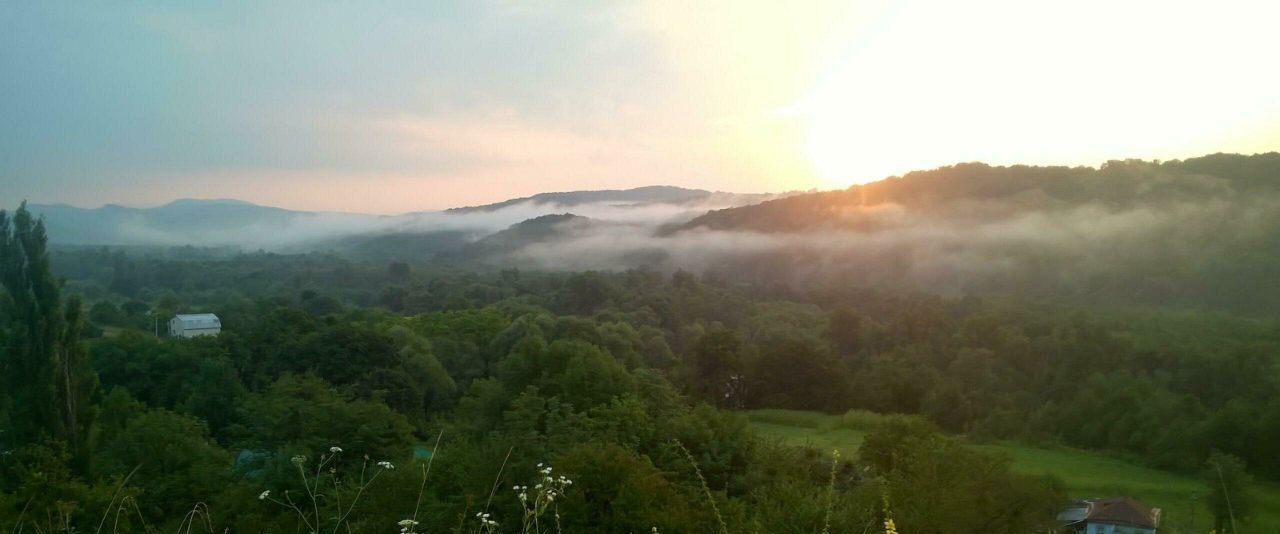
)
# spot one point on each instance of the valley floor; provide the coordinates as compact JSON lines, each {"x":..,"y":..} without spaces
{"x":1086,"y":474}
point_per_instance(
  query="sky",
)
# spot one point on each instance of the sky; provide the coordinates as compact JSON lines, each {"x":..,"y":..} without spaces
{"x":387,"y":107}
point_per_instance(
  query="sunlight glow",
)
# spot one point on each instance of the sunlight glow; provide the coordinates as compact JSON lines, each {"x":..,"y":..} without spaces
{"x":935,"y":83}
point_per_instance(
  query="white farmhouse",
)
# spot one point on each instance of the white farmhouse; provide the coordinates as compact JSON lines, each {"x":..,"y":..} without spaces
{"x":195,"y":324}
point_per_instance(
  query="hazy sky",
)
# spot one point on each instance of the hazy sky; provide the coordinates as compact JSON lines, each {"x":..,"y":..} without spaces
{"x":391,"y":107}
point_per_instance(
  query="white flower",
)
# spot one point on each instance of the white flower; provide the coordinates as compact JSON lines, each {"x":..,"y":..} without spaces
{"x":407,"y":523}
{"x":335,"y":449}
{"x":299,"y":459}
{"x":263,"y":496}
{"x":386,"y":465}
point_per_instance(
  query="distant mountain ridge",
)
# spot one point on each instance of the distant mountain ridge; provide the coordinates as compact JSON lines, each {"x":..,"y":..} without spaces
{"x":180,"y":222}
{"x":665,"y":194}
{"x":231,"y":222}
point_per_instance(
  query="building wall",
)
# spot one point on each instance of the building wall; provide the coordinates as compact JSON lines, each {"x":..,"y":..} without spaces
{"x":200,"y":332}
{"x":1103,"y":528}
{"x":178,"y":329}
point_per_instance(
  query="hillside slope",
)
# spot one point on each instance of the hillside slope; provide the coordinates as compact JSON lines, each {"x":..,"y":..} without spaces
{"x":976,"y":190}
{"x":1199,"y":232}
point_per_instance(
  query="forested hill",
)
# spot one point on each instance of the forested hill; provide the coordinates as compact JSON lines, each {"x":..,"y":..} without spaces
{"x":977,"y":191}
{"x":523,"y":234}
{"x":1193,"y":233}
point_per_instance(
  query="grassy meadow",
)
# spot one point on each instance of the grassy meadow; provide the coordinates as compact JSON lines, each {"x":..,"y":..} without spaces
{"x":1084,"y":473}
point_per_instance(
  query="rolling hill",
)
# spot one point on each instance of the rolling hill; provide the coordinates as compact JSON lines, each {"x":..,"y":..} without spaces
{"x":1198,"y":232}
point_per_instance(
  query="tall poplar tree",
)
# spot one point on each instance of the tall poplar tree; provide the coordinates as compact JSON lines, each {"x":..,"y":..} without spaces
{"x":47,"y":379}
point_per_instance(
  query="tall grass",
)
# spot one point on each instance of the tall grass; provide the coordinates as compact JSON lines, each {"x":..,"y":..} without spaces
{"x":706,"y":490}
{"x":328,"y":504}
{"x":831,"y":491}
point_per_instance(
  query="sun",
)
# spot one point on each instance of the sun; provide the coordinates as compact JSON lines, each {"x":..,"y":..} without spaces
{"x":852,"y":137}
{"x":842,"y":155}
{"x":929,"y":84}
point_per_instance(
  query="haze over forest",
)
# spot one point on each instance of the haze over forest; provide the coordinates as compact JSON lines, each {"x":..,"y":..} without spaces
{"x":730,"y":266}
{"x":1187,"y":232}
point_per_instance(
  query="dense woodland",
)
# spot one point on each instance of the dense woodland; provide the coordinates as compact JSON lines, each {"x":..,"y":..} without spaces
{"x":626,"y":382}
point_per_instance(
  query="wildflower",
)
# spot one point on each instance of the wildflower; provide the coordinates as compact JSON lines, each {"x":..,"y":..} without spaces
{"x":386,"y":465}
{"x":263,"y":496}
{"x":299,"y":459}
{"x":335,"y":449}
{"x":407,"y":523}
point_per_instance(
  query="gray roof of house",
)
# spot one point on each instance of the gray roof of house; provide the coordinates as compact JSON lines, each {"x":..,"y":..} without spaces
{"x":1074,"y":513}
{"x":199,"y":320}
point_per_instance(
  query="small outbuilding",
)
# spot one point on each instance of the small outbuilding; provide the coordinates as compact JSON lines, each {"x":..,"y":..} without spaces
{"x":195,"y":325}
{"x":1116,"y":515}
